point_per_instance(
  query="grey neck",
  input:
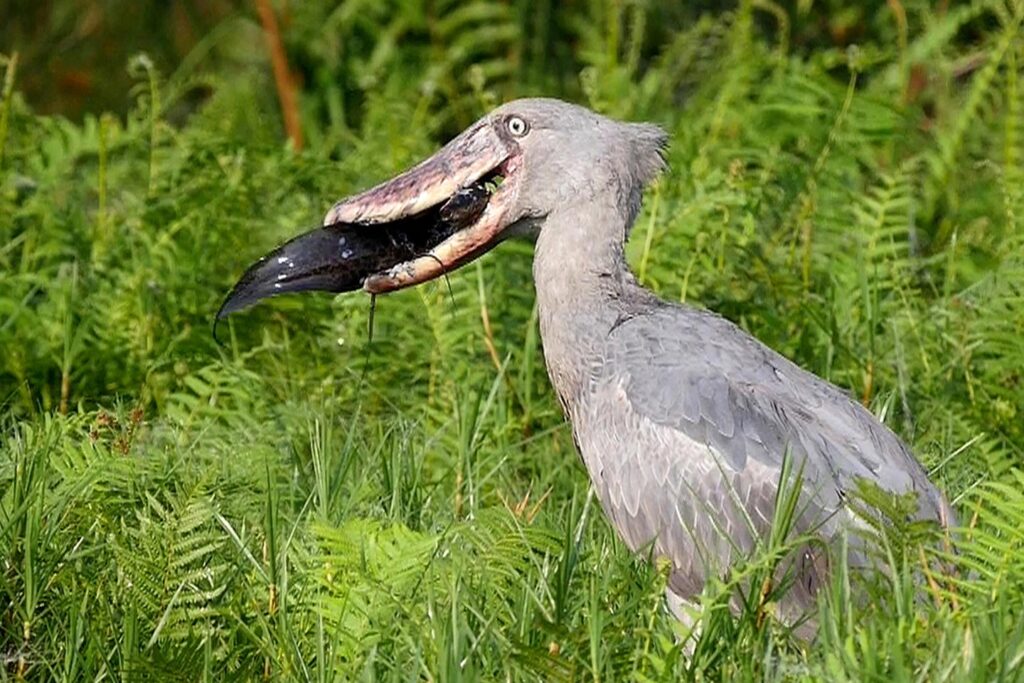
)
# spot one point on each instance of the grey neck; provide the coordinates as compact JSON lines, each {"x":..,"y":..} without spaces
{"x":581,"y":275}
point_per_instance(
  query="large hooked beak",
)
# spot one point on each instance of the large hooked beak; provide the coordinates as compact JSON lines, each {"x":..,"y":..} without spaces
{"x":438,"y":215}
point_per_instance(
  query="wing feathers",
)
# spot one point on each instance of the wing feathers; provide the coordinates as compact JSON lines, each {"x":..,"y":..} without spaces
{"x":684,"y":426}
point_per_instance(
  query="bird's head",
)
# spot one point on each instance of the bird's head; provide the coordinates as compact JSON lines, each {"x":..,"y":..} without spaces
{"x":517,"y":165}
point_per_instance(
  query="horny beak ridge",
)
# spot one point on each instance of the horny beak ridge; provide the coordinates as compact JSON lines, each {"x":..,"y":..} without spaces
{"x":464,"y":160}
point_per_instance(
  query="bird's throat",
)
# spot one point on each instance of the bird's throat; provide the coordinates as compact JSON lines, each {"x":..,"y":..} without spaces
{"x":580,"y":269}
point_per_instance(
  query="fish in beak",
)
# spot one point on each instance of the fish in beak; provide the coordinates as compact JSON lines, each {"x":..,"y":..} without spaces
{"x":438,"y":215}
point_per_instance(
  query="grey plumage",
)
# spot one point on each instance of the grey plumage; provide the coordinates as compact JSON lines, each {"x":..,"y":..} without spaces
{"x":684,"y":424}
{"x":683,"y":419}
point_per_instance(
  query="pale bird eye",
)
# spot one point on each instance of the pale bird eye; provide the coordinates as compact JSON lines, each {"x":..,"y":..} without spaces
{"x":517,"y":126}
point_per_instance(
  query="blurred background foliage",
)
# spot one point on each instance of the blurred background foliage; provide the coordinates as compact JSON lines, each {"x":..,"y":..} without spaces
{"x":845,"y":182}
{"x":75,"y":52}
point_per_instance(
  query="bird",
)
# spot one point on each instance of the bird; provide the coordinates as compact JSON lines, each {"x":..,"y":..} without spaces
{"x":683,"y":420}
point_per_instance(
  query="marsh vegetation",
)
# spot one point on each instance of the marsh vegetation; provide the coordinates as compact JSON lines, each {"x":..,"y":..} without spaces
{"x":302,"y":503}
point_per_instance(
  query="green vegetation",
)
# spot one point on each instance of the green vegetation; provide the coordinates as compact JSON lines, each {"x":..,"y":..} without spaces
{"x":301,"y":503}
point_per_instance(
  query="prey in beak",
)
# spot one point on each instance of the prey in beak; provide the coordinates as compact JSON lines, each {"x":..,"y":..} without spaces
{"x":447,"y":210}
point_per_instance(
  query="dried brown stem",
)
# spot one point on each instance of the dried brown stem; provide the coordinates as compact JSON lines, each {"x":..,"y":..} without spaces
{"x":282,"y":74}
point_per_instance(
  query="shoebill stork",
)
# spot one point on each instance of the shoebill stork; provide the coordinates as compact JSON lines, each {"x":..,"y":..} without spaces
{"x":682,"y":419}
